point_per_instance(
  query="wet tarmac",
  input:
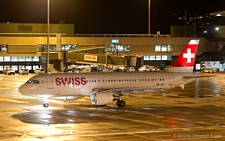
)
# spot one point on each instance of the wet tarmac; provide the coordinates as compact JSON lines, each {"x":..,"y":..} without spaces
{"x":195,"y":113}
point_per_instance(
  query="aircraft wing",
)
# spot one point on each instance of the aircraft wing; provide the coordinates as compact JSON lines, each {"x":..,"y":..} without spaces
{"x":130,"y":90}
{"x":198,"y":76}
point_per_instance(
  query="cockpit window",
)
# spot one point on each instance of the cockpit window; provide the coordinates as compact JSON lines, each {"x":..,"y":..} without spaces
{"x":33,"y":81}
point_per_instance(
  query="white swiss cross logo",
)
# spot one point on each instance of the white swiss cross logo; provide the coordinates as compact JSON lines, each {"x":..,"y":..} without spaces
{"x":188,"y":55}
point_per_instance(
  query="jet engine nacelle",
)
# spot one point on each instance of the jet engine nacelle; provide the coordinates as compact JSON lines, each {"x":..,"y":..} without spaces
{"x":101,"y":98}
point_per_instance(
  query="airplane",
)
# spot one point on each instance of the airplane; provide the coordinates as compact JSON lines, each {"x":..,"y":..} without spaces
{"x":104,"y":88}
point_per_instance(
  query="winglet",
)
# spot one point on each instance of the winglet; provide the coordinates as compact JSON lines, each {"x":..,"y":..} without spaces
{"x":186,"y":60}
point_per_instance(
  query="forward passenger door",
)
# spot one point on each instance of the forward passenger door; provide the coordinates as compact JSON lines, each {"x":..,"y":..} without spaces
{"x":49,"y":82}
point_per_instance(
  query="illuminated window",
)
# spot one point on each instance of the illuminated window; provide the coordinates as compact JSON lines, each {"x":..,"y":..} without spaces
{"x":120,"y":48}
{"x":108,"y":48}
{"x":42,"y":47}
{"x":35,"y":67}
{"x":169,"y":48}
{"x":126,"y":48}
{"x":6,"y":58}
{"x":14,"y":68}
{"x":115,"y":40}
{"x":52,"y":48}
{"x":169,"y":57}
{"x":157,"y":48}
{"x":28,"y":58}
{"x":3,"y":48}
{"x":20,"y":67}
{"x":35,"y":58}
{"x":21,"y":58}
{"x":14,"y":59}
{"x":18,"y":58}
{"x":1,"y":58}
{"x":163,"y":48}
{"x":158,"y":57}
{"x":69,"y":47}
{"x":152,"y":57}
{"x":6,"y":67}
{"x":164,"y":57}
{"x":117,"y":47}
{"x":146,"y":58}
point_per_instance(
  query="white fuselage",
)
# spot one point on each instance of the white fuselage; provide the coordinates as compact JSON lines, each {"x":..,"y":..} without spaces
{"x":82,"y":84}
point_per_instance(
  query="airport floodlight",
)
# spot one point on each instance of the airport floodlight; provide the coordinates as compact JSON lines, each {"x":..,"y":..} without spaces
{"x":47,"y":57}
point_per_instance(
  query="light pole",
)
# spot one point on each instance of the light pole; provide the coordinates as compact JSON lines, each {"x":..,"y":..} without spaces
{"x":47,"y":58}
{"x":149,"y":8}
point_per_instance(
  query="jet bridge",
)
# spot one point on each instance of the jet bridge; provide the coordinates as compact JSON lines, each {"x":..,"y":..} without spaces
{"x":96,"y":59}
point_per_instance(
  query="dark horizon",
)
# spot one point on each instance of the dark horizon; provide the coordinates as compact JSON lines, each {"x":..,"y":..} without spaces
{"x":108,"y":16}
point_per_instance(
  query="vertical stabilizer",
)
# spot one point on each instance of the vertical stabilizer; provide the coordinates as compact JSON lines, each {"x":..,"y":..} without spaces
{"x":186,"y":61}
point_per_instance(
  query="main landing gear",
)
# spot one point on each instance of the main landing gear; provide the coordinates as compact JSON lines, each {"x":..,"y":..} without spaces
{"x":120,"y":103}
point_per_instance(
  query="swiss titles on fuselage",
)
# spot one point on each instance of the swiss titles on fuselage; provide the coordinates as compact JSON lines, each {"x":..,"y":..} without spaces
{"x":70,"y":81}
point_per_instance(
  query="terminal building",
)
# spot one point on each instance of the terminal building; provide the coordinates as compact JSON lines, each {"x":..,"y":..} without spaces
{"x":24,"y":45}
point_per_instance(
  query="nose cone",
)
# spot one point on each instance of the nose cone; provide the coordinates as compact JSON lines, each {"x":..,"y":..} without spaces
{"x":25,"y":89}
{"x":28,"y":89}
{"x":22,"y":89}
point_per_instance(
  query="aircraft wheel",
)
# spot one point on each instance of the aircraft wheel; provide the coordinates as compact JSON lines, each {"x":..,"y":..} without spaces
{"x":46,"y":105}
{"x":120,"y":103}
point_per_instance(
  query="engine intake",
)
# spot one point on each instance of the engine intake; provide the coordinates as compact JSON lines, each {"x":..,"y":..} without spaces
{"x":102,"y":98}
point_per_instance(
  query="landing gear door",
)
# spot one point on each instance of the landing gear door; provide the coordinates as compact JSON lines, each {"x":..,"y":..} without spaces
{"x":49,"y":82}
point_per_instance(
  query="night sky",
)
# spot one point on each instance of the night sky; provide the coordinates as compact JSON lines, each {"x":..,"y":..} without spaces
{"x":111,"y":16}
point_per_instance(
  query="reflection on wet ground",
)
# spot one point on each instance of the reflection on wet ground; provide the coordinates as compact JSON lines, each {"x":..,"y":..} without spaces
{"x":148,"y":114}
{"x":193,"y":113}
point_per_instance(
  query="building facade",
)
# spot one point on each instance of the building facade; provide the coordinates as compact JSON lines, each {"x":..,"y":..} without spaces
{"x":29,"y":50}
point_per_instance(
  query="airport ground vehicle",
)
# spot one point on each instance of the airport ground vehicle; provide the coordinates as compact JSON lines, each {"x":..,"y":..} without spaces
{"x":119,"y":69}
{"x":167,"y":68}
{"x":148,"y":68}
{"x":70,"y":70}
{"x":23,"y":71}
{"x":131,"y":69}
{"x":39,"y":71}
{"x":81,"y":69}
{"x":9,"y":72}
{"x":209,"y":70}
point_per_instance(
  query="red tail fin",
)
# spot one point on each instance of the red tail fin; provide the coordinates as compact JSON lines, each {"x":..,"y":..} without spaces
{"x":186,"y":60}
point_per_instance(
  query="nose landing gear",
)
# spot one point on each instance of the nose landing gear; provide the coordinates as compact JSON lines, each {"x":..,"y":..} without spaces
{"x":46,"y":105}
{"x":45,"y":102}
